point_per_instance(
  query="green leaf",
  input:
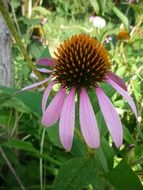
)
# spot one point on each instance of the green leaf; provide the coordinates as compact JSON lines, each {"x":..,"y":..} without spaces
{"x":121,"y":16}
{"x":139,"y":151}
{"x":101,"y":124}
{"x":138,"y":8}
{"x":79,"y":148}
{"x":53,"y":134}
{"x":16,"y":104}
{"x":30,"y":21}
{"x":98,"y":183}
{"x":45,"y":52}
{"x":109,"y":91}
{"x":127,"y":136}
{"x":19,"y":144}
{"x":102,"y":5}
{"x":95,"y":5}
{"x":75,"y":174}
{"x":102,"y":158}
{"x":108,"y":151}
{"x":15,"y":3}
{"x":32,"y":100}
{"x":136,"y":89}
{"x":124,"y":178}
{"x":41,"y":11}
{"x":35,"y":49}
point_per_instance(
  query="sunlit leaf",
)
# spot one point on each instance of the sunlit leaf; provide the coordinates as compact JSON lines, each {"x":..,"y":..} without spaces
{"x":95,"y":5}
{"x":121,"y":16}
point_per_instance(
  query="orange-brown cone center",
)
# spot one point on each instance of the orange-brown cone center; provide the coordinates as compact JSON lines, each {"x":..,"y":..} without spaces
{"x":81,"y":61}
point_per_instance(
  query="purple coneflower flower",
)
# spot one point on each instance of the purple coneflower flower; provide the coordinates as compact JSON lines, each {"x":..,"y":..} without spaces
{"x":81,"y":64}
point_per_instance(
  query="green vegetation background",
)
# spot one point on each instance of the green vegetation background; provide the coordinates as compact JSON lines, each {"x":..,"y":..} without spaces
{"x":32,"y":157}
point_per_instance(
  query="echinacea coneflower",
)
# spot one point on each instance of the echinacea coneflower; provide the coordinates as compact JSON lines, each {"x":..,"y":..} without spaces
{"x":81,"y":63}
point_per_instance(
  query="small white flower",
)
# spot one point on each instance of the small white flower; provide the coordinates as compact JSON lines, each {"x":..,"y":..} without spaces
{"x":97,"y":21}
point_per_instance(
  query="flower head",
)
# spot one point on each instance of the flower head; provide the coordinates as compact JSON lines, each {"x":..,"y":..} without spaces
{"x":123,"y":35}
{"x":97,"y":21}
{"x":81,"y":63}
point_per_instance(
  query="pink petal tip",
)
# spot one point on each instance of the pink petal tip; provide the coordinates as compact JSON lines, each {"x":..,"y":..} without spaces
{"x":124,"y":94}
{"x":52,"y":113}
{"x":111,"y":117}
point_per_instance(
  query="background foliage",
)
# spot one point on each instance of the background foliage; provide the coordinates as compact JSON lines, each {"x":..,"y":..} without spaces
{"x":31,"y":155}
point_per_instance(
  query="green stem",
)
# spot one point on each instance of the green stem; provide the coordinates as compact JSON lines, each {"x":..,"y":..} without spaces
{"x":17,"y":38}
{"x":15,"y":19}
{"x":41,"y":159}
{"x":15,"y":125}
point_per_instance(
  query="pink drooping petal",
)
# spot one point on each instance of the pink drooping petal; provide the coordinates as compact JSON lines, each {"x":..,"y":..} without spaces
{"x":111,"y":117}
{"x":43,"y":70}
{"x":88,"y":122}
{"x":124,"y":94}
{"x":34,"y":85}
{"x":52,"y":113}
{"x":46,"y":61}
{"x":46,"y":95}
{"x":117,"y":80}
{"x":67,"y":120}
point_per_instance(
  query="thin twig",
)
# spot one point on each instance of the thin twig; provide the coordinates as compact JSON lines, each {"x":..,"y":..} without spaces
{"x":15,"y":19}
{"x":12,"y":169}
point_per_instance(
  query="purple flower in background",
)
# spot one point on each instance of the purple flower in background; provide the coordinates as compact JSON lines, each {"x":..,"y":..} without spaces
{"x":81,"y":63}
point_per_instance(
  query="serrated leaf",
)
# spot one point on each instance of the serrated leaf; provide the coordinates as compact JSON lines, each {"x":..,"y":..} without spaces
{"x":75,"y":174}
